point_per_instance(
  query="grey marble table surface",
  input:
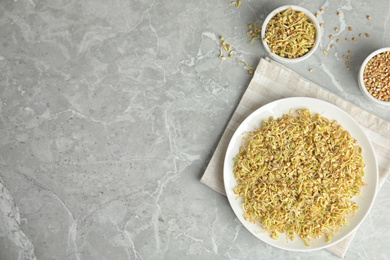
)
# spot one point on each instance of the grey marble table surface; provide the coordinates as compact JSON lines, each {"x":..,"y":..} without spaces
{"x":111,"y":110}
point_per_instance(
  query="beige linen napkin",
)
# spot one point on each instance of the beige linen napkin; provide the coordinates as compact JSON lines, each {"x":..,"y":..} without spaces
{"x":272,"y":81}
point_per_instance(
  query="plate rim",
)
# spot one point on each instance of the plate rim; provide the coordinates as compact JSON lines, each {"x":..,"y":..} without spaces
{"x":263,"y":107}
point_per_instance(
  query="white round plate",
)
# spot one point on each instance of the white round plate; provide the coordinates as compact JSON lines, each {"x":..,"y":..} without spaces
{"x":325,"y":109}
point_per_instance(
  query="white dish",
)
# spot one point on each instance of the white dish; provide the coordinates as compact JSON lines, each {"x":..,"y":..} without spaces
{"x":312,"y":18}
{"x":325,"y":109}
{"x":361,"y":81}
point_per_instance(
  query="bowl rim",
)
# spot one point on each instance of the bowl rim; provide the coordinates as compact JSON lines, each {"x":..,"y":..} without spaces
{"x":309,"y":14}
{"x":361,"y":72}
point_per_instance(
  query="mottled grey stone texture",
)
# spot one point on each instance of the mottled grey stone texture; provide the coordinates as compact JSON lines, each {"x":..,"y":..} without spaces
{"x":110,"y":111}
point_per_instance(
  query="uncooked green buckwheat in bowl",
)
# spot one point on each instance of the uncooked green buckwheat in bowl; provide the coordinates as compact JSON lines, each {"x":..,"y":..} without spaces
{"x":290,"y":33}
{"x":374,"y":76}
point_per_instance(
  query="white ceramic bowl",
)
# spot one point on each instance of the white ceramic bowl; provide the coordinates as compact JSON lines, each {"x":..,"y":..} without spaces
{"x":312,"y":18}
{"x":361,"y":82}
